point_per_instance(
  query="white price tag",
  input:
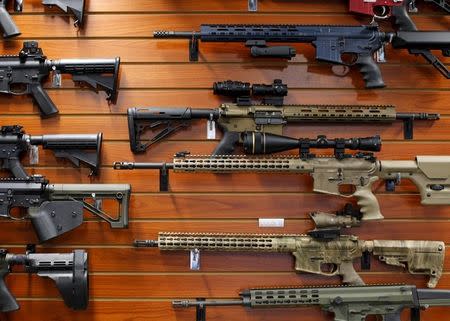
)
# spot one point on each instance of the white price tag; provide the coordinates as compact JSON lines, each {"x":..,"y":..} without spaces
{"x":56,"y":78}
{"x":34,"y":154}
{"x":194,"y":260}
{"x":211,"y":129}
{"x":271,"y":222}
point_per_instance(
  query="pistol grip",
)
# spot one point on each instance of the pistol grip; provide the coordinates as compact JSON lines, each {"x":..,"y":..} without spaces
{"x":16,"y":168}
{"x":370,"y":71}
{"x":370,"y":208}
{"x":402,"y":18}
{"x":54,"y":218}
{"x":349,"y":275}
{"x":7,"y":301}
{"x":46,"y":105}
{"x":7,"y":23}
{"x":226,"y":145}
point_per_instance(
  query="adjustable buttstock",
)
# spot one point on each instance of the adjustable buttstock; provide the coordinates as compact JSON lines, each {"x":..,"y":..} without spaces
{"x":76,"y":7}
{"x":419,"y":257}
{"x":7,"y":300}
{"x":7,"y":23}
{"x":166,"y":120}
{"x":101,"y":79}
{"x":76,"y":148}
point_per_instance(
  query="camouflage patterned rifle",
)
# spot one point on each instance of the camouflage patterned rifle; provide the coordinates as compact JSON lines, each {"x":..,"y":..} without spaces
{"x":268,"y":117}
{"x":431,"y":174}
{"x":312,"y":254}
{"x":347,"y":303}
{"x":69,"y":271}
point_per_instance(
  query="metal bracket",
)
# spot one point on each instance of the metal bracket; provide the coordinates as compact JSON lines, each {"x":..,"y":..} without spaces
{"x":200,"y":311}
{"x":193,"y":49}
{"x":163,"y":179}
{"x":408,"y":128}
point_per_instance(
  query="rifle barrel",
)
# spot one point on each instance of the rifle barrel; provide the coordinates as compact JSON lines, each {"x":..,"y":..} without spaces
{"x":128,"y":165}
{"x":176,"y":34}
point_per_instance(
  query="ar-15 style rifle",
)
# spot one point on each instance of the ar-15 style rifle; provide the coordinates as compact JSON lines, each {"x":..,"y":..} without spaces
{"x":55,"y":209}
{"x":312,"y":254}
{"x":266,"y":118}
{"x":68,"y":270}
{"x":76,"y":7}
{"x":331,"y":43}
{"x":78,"y":148}
{"x":30,"y":68}
{"x":431,"y":174}
{"x":347,"y":303}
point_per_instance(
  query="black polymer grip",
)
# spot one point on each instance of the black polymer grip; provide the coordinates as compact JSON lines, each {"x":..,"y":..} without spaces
{"x":370,"y":71}
{"x":16,"y":168}
{"x":46,"y":105}
{"x":401,"y":17}
{"x":227,"y":144}
{"x":8,"y":302}
{"x":7,"y":23}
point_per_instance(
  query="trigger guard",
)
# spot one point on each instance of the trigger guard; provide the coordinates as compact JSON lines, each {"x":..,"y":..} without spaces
{"x":386,"y":13}
{"x":334,"y":271}
{"x":340,"y":73}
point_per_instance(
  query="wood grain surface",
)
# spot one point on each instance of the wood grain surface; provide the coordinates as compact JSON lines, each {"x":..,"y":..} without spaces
{"x":138,"y":284}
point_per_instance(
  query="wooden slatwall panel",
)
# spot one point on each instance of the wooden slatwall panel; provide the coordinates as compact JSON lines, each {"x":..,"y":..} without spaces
{"x":138,"y":284}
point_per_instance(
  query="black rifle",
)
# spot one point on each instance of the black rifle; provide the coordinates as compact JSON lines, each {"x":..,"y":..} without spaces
{"x":331,"y":43}
{"x":69,"y":271}
{"x":30,"y":68}
{"x":76,"y":148}
{"x":76,"y":7}
{"x":55,"y":209}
